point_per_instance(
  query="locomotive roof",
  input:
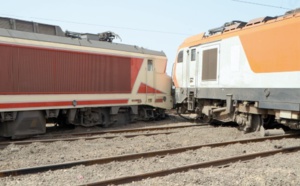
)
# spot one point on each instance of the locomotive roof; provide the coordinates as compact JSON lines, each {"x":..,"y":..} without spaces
{"x":21,"y":29}
{"x":234,"y":27}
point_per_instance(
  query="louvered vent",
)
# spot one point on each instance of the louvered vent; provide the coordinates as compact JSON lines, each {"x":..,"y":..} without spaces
{"x":29,"y":26}
{"x":5,"y":23}
{"x":47,"y":29}
{"x":24,"y":26}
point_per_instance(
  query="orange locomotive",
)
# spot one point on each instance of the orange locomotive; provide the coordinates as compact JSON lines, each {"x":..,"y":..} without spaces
{"x":48,"y":75}
{"x":246,"y":72}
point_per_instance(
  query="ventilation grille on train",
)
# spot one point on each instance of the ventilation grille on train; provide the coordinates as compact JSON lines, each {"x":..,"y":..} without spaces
{"x":27,"y":26}
{"x":5,"y":23}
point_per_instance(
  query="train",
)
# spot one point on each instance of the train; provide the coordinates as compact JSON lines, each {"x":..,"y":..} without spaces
{"x":52,"y":76}
{"x":242,"y":72}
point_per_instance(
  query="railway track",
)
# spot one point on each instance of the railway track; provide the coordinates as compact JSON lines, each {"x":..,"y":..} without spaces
{"x":26,"y":142}
{"x":31,"y":170}
{"x":138,"y":130}
{"x":97,"y":135}
{"x":215,"y":163}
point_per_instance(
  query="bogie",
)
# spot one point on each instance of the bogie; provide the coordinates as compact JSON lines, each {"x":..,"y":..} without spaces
{"x":29,"y":123}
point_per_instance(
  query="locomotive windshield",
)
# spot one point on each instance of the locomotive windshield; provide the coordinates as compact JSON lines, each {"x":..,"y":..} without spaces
{"x":180,"y":57}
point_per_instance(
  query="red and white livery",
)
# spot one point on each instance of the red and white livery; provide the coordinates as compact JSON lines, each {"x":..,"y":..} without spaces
{"x":70,"y":78}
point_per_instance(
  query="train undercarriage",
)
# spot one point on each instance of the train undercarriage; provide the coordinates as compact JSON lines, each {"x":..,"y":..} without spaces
{"x":247,"y":114}
{"x":22,"y":124}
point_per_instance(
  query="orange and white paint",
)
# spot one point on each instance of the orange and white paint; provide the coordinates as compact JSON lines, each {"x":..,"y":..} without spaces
{"x":262,"y":55}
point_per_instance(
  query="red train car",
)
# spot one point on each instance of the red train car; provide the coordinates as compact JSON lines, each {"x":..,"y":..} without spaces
{"x":71,"y":78}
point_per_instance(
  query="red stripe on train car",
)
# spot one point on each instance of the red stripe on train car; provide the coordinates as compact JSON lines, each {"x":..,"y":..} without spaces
{"x":144,"y":89}
{"x":135,"y":69}
{"x":61,"y":103}
{"x":43,"y":93}
{"x":159,"y":100}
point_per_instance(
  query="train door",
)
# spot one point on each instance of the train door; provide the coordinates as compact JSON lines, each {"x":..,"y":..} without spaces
{"x":179,"y":67}
{"x":208,"y":65}
{"x":150,"y":93}
{"x":192,"y":68}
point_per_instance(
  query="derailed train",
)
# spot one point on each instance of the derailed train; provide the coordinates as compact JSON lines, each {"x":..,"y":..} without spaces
{"x":48,"y":75}
{"x":246,"y":72}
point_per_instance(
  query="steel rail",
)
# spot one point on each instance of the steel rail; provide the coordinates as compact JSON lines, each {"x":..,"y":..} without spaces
{"x":214,"y":163}
{"x":102,"y":132}
{"x":20,"y":142}
{"x":128,"y":157}
{"x":25,"y":142}
{"x":138,"y":129}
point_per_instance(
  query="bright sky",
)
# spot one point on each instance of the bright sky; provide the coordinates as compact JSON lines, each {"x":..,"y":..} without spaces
{"x":153,"y":24}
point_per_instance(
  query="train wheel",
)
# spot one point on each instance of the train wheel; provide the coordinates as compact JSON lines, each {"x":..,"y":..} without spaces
{"x":256,"y":123}
{"x":249,"y":122}
{"x":204,"y":119}
{"x":105,"y":117}
{"x":182,"y":109}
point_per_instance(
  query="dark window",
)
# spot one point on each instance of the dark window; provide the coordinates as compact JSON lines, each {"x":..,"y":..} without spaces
{"x":150,"y":65}
{"x":193,"y":55}
{"x":209,"y":64}
{"x":180,"y":57}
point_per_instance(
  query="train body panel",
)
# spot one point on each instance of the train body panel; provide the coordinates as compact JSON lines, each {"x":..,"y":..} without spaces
{"x":255,"y":66}
{"x":77,"y":81}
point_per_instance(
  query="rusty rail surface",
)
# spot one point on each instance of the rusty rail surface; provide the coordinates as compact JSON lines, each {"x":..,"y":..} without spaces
{"x":128,"y":157}
{"x":138,"y":129}
{"x":215,"y":163}
{"x":58,"y":137}
{"x":25,"y":142}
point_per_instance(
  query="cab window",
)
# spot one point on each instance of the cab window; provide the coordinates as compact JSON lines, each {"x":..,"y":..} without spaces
{"x":193,"y":54}
{"x":150,"y":65}
{"x":180,"y":57}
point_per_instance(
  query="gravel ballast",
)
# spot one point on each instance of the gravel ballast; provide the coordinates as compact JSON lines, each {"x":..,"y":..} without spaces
{"x":276,"y":170}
